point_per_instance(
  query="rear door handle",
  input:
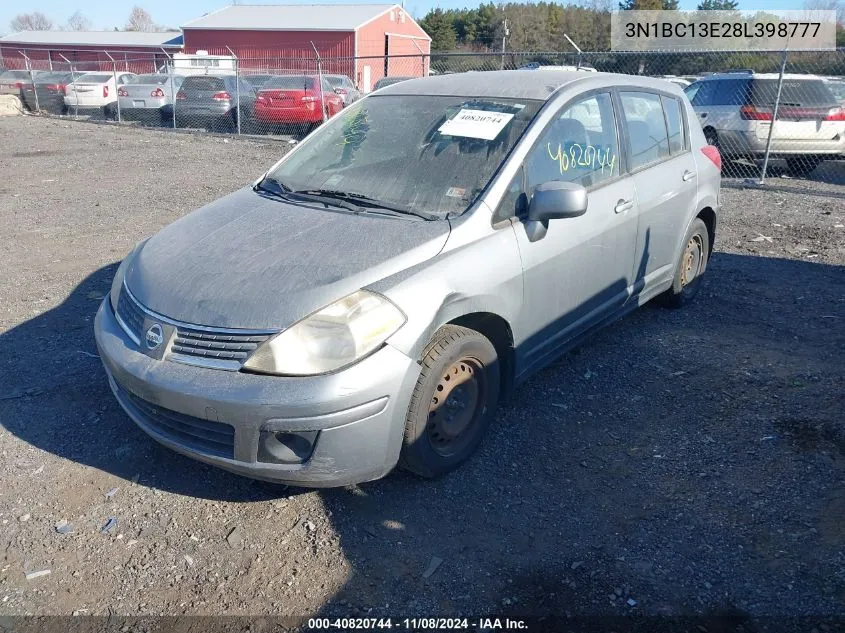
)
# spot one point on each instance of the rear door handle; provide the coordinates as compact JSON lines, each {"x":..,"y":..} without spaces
{"x":623,"y":205}
{"x":688,"y":175}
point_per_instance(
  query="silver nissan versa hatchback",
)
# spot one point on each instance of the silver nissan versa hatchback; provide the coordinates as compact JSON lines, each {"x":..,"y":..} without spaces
{"x":369,"y":300}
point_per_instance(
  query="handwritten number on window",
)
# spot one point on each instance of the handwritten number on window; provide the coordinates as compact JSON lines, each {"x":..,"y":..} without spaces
{"x":596,"y":158}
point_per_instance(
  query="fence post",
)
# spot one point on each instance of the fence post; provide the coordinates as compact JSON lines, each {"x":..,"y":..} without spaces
{"x":170,"y":70}
{"x":32,"y":79}
{"x":72,"y":80}
{"x":320,"y":81}
{"x":237,"y":90}
{"x":116,"y":96}
{"x":774,"y":118}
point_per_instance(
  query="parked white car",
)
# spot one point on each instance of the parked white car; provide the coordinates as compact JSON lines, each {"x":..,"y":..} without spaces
{"x":96,"y":91}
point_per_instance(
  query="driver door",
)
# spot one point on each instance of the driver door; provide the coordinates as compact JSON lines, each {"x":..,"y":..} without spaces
{"x":580,"y":271}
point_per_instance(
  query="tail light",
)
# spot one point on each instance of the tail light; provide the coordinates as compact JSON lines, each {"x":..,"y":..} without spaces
{"x":712,"y":153}
{"x":62,"y":88}
{"x":222,"y":96}
{"x":18,"y":85}
{"x":181,"y":95}
{"x":158,"y":92}
{"x":106,"y":90}
{"x":121,"y":92}
{"x":835,"y":114}
{"x":341,"y":91}
{"x":752,"y":113}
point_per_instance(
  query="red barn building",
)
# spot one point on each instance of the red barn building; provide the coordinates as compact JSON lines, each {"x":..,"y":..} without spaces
{"x":88,"y":50}
{"x":364,"y":41}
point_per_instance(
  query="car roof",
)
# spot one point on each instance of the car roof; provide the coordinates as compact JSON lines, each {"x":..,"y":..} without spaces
{"x":515,"y":84}
{"x":753,"y":75}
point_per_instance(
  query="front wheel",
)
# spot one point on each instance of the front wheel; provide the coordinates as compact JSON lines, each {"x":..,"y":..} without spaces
{"x":453,"y":403}
{"x":690,"y":267}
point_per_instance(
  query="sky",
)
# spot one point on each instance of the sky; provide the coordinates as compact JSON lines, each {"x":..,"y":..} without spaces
{"x":107,"y":15}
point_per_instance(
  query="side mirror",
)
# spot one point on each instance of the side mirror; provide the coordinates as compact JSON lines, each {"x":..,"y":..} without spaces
{"x":554,"y":200}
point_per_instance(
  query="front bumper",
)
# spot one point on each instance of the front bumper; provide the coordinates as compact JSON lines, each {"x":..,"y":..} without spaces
{"x":359,"y":412}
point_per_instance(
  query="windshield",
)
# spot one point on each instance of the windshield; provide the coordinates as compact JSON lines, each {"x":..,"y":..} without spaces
{"x":93,"y":78}
{"x":797,"y":92}
{"x":422,"y":153}
{"x":289,"y":82}
{"x":150,"y":79}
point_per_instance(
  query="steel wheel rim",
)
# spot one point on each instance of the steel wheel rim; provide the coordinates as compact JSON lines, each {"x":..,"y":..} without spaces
{"x":456,"y":406}
{"x":691,"y":262}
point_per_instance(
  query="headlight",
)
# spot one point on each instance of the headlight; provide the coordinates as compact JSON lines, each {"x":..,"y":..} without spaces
{"x":336,"y":336}
{"x":117,"y":282}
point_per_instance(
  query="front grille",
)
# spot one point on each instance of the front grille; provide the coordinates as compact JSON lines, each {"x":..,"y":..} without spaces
{"x":215,"y":345}
{"x":203,"y":436}
{"x":130,"y":313}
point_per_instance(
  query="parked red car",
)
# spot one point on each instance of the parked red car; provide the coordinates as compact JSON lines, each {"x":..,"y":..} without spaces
{"x":296,"y":99}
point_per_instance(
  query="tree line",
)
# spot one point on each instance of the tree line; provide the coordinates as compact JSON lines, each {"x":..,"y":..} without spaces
{"x":139,"y":20}
{"x":544,"y":26}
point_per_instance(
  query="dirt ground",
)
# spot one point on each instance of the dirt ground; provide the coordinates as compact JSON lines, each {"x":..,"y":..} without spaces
{"x":681,"y":463}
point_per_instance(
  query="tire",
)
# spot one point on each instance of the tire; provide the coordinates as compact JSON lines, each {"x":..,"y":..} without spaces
{"x":438,"y":438}
{"x":693,"y":259}
{"x":802,"y":165}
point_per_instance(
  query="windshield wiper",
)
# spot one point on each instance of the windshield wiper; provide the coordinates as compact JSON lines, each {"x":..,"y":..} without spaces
{"x":362,"y":200}
{"x":270,"y":185}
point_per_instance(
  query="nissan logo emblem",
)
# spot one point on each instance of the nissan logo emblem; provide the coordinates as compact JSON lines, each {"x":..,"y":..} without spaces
{"x":154,"y":336}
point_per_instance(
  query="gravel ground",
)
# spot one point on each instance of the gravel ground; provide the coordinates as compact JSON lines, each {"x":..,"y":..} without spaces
{"x":681,"y":463}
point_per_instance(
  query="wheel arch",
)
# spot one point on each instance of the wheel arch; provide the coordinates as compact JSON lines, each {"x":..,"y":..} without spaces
{"x":498,"y":331}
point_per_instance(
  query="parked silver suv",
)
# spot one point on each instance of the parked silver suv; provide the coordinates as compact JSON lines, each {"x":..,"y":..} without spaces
{"x":371,"y":298}
{"x":735,"y":110}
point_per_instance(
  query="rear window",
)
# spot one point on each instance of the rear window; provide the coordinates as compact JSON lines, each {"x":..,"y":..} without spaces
{"x":795,"y":92}
{"x":15,"y":74}
{"x":150,"y":79}
{"x":204,"y":83}
{"x":94,"y":78}
{"x":335,"y":81}
{"x":292,"y":82}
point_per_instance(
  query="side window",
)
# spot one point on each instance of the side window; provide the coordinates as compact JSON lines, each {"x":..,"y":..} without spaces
{"x":704,"y":95}
{"x":580,"y":145}
{"x":730,"y":92}
{"x":327,"y":86}
{"x":513,"y":202}
{"x":692,"y":90}
{"x":646,"y":126}
{"x":675,"y":123}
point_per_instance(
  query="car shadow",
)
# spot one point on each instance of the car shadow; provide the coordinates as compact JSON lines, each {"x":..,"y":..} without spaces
{"x":615,"y":488}
{"x":56,"y":397}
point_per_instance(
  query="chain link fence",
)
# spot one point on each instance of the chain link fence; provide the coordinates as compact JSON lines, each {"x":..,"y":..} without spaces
{"x":768,"y":112}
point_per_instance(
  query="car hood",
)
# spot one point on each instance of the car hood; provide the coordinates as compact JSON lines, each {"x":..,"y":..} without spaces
{"x":248,"y":261}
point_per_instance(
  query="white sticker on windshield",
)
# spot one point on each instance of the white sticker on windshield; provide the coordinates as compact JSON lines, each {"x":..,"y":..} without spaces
{"x":481,"y":124}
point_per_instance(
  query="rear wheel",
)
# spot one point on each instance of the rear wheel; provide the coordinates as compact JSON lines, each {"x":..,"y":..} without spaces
{"x":453,"y":402}
{"x":690,"y":267}
{"x":802,"y":165}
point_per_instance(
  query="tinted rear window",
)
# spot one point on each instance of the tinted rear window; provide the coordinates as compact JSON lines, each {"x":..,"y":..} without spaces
{"x":798,"y":92}
{"x":150,"y":79}
{"x":94,"y":79}
{"x":204,"y":83}
{"x":15,"y":74}
{"x":292,"y":82}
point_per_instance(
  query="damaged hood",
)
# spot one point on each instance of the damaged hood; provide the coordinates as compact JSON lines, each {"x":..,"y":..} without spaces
{"x":248,"y":261}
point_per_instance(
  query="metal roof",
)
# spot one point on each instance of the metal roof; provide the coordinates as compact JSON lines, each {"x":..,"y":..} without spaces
{"x":518,"y":84}
{"x":290,"y":17}
{"x":95,"y":38}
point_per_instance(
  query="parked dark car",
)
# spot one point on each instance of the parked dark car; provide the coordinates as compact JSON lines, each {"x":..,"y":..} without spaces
{"x":258,"y":80}
{"x":47,"y":93}
{"x":13,"y":81}
{"x":211,"y":101}
{"x":389,"y":81}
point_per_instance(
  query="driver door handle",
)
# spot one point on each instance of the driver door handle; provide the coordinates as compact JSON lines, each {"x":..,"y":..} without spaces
{"x":688,"y":175}
{"x":623,"y":205}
